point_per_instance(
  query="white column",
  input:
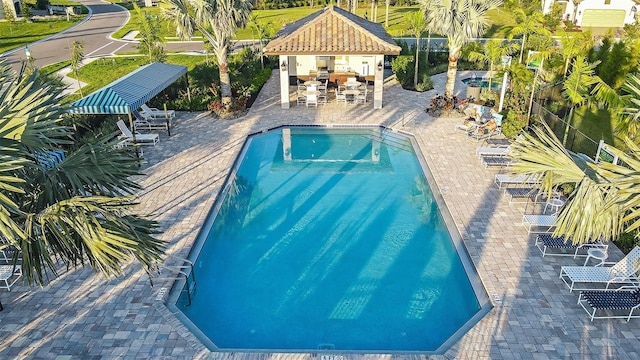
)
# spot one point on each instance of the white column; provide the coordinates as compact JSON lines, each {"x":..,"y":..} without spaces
{"x":284,"y":81}
{"x":378,"y":81}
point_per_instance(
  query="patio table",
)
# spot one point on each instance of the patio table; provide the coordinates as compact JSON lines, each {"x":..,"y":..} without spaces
{"x":312,"y":83}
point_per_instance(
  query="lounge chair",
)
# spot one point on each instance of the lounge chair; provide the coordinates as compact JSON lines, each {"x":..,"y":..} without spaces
{"x":506,"y":179}
{"x":539,"y":223}
{"x":502,"y":150}
{"x":142,"y":139}
{"x":9,"y":275}
{"x":521,"y":194}
{"x":615,"y":303}
{"x":622,"y":273}
{"x":500,"y":161}
{"x":157,"y":113}
{"x":545,"y":242}
{"x":148,"y":123}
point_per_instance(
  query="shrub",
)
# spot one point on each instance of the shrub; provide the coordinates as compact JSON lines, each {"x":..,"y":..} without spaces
{"x":513,"y":124}
{"x":425,"y":84}
{"x":627,"y":241}
{"x":402,"y":66}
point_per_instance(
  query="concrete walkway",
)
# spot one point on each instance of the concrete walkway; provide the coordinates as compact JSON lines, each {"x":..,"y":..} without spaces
{"x":81,"y":315}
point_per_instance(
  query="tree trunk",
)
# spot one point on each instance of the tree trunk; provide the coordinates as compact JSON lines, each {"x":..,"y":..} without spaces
{"x":566,"y":129}
{"x":428,"y":46}
{"x":225,"y":80}
{"x":454,"y":55}
{"x":339,"y":3}
{"x":524,"y":36}
{"x":386,"y":15}
{"x":490,"y":74}
{"x":415,"y":69}
{"x":373,"y":9}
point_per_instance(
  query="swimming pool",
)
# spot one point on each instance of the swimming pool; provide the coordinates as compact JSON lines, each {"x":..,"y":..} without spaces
{"x":496,"y":84}
{"x":330,"y":240}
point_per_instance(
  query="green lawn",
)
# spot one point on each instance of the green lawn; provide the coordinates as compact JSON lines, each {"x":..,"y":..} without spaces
{"x":277,"y":18}
{"x":21,"y":33}
{"x":597,"y":124}
{"x":102,"y":72}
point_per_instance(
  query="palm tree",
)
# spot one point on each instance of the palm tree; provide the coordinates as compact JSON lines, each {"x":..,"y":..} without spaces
{"x":605,"y":198}
{"x":151,"y":40}
{"x":527,"y":25}
{"x":77,"y":210}
{"x":579,"y":85}
{"x":494,"y":50}
{"x":629,"y":124}
{"x":77,"y":53}
{"x":416,"y":23}
{"x":461,"y":21}
{"x":574,"y":45}
{"x":261,"y":32}
{"x":218,"y":21}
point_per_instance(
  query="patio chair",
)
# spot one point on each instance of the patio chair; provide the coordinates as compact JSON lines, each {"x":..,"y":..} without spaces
{"x":300,"y":98}
{"x":539,"y":223}
{"x":340,"y":97}
{"x":614,"y":303}
{"x":145,"y":121}
{"x":323,"y":87}
{"x":566,"y":247}
{"x":501,"y":150}
{"x":142,"y":139}
{"x":510,"y":179}
{"x":621,"y":273}
{"x":361,"y":98}
{"x":521,"y":194}
{"x":157,"y":113}
{"x":9,"y":274}
{"x":496,"y":161}
{"x":312,"y":100}
{"x":466,"y":126}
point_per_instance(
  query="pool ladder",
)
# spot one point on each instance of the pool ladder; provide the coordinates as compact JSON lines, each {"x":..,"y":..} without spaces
{"x":184,"y":271}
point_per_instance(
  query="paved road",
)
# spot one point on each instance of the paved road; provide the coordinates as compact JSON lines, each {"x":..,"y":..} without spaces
{"x":95,"y":33}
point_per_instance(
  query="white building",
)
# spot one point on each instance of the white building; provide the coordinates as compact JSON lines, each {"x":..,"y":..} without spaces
{"x":596,"y":13}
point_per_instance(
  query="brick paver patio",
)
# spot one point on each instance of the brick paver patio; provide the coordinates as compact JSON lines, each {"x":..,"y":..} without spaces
{"x":81,"y":315}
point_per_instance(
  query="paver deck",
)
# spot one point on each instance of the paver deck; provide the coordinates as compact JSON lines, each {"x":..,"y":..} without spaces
{"x":81,"y":315}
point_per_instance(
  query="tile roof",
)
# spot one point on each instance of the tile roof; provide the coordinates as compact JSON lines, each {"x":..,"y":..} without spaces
{"x":332,"y":30}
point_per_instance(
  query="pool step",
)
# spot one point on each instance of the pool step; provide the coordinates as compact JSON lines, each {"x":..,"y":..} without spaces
{"x":326,"y":346}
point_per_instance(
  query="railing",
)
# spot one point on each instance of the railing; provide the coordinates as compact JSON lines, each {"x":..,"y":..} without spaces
{"x":574,"y":139}
{"x":180,"y":272}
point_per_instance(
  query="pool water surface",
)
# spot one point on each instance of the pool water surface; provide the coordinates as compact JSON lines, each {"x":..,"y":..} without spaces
{"x":329,"y":239}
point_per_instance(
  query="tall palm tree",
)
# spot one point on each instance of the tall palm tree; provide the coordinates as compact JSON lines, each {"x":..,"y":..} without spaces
{"x":461,"y":21}
{"x":416,"y":23}
{"x":494,"y":50}
{"x":574,"y":45}
{"x":218,"y":21}
{"x":527,"y":24}
{"x":579,"y":85}
{"x":77,"y":210}
{"x":605,"y":197}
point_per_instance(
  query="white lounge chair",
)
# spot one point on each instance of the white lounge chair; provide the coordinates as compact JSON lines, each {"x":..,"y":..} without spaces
{"x":507,"y":179}
{"x":622,"y":273}
{"x":539,"y":224}
{"x":495,"y":151}
{"x":142,"y":139}
{"x":9,"y":275}
{"x":157,"y":113}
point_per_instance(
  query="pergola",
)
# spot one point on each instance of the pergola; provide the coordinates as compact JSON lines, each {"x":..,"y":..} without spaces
{"x":127,"y":94}
{"x":332,"y":33}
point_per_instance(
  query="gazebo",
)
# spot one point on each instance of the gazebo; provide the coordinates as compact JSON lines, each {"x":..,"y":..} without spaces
{"x":332,"y":44}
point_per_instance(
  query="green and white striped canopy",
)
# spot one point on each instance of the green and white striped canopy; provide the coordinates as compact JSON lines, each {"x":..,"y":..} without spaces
{"x":128,"y":93}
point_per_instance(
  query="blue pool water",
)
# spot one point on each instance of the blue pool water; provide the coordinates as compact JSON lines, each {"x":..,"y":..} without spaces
{"x":329,"y":239}
{"x":496,"y":84}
